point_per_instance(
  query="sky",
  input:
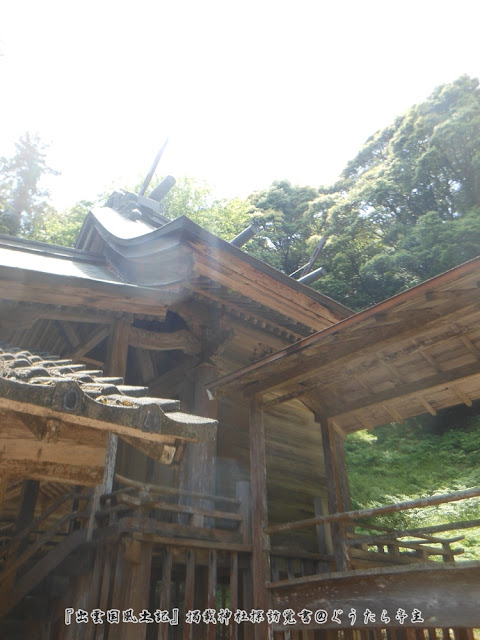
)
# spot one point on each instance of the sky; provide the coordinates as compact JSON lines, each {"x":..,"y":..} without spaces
{"x":247,"y":92}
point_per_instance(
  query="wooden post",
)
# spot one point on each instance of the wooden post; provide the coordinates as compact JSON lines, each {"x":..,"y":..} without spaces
{"x":26,"y":512}
{"x":3,"y":489}
{"x":212,"y":590}
{"x":108,"y":556}
{"x":189,"y":593}
{"x":165,"y":591}
{"x":233,"y":592}
{"x":261,"y":541}
{"x":198,"y":468}
{"x":115,"y":365}
{"x":243,"y":495}
{"x":324,"y":534}
{"x":334,"y":494}
{"x":342,"y":475}
{"x":136,"y":595}
{"x":27,"y":506}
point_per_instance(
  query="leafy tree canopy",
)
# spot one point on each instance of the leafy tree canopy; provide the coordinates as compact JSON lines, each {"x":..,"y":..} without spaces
{"x":407,"y":205}
{"x":23,"y":203}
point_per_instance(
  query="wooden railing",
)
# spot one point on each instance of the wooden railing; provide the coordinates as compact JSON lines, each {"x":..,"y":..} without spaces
{"x":350,"y":550}
{"x":178,"y":512}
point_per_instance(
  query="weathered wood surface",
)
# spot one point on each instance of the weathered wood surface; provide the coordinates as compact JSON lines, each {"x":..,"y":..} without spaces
{"x":446,"y":595}
{"x":260,"y":540}
{"x":78,"y":292}
{"x":155,"y":341}
{"x":40,"y":570}
{"x":335,"y":486}
{"x":165,"y":591}
{"x":390,"y":508}
{"x":189,"y":593}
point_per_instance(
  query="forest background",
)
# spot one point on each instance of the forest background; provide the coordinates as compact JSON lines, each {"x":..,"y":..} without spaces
{"x":405,"y":209}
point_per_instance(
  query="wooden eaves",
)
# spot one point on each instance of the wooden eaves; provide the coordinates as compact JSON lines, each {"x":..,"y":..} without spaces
{"x":415,"y":353}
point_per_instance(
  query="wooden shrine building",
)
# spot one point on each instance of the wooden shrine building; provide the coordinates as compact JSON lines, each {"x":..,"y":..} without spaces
{"x":173,"y":415}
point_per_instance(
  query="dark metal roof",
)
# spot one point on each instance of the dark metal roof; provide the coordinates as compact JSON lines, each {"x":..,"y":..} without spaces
{"x":37,"y":256}
{"x":135,"y":255}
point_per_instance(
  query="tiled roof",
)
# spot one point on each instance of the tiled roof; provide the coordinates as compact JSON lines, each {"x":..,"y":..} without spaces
{"x":48,"y":386}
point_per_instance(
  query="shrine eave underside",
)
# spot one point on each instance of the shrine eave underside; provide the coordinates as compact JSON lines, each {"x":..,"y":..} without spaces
{"x":415,"y":353}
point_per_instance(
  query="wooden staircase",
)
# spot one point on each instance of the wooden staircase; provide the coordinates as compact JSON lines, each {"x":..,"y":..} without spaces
{"x":29,"y":556}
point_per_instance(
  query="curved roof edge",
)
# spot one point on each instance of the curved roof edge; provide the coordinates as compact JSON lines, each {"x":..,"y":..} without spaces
{"x":123,"y":236}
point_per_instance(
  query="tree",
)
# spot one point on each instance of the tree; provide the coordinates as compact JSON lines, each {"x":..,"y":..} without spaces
{"x":195,"y":199}
{"x":286,"y":221}
{"x":62,"y":228}
{"x":405,"y":205}
{"x":23,"y":202}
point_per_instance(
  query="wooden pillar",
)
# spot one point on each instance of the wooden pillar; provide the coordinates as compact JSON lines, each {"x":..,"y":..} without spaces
{"x":115,"y":365}
{"x":201,"y":456}
{"x":3,"y":489}
{"x":233,"y":591}
{"x":324,"y":534}
{"x":165,"y":593}
{"x":342,"y":475}
{"x":26,"y":512}
{"x":334,"y":493}
{"x":138,"y":567}
{"x":198,"y":467}
{"x":243,"y":495}
{"x":261,"y":541}
{"x":212,"y":590}
{"x":189,"y":593}
{"x":28,"y":503}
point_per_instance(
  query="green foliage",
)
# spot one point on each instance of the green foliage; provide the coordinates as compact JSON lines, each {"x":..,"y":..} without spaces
{"x":407,"y":206}
{"x":61,"y":228}
{"x":283,"y":214}
{"x":22,"y":201}
{"x":396,"y":463}
{"x":195,"y":199}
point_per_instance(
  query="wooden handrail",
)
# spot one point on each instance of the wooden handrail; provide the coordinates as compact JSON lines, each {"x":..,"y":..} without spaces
{"x":131,"y":502}
{"x":367,"y":513}
{"x":154,"y":488}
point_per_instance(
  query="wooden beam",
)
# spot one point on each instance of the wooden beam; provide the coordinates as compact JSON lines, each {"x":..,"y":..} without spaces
{"x":428,"y":384}
{"x":69,"y":333}
{"x":254,"y":285}
{"x":98,"y":335}
{"x":145,"y":365}
{"x":117,"y":348}
{"x":446,"y":595}
{"x":341,"y":344}
{"x":261,"y":541}
{"x":426,"y":404}
{"x":463,"y":396}
{"x":359,"y":514}
{"x":182,"y":340}
{"x":83,"y":292}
